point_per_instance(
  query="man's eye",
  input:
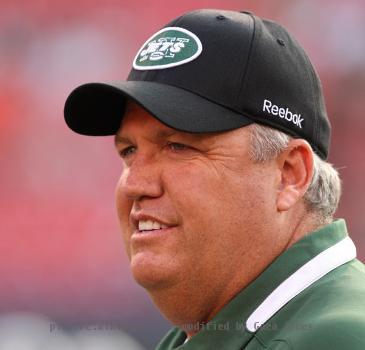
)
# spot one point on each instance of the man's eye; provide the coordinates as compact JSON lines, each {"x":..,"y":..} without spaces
{"x":125,"y":152}
{"x":175,"y":146}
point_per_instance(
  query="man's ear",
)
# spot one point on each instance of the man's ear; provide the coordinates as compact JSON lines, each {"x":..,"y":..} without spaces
{"x":296,"y":172}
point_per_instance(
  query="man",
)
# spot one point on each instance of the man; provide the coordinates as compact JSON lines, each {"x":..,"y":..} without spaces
{"x":226,"y":200}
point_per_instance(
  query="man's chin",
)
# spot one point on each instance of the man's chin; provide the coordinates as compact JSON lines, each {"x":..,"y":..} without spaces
{"x":151,"y":272}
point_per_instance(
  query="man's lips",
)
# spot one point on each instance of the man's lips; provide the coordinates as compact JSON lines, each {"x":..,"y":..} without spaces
{"x":148,"y":234}
{"x":147,"y":223}
{"x":143,"y":239}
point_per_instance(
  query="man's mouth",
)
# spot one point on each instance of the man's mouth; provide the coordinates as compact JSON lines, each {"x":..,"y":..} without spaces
{"x":149,"y":225}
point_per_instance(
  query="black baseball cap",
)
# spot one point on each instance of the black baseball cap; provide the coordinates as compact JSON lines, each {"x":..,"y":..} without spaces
{"x":208,"y":71}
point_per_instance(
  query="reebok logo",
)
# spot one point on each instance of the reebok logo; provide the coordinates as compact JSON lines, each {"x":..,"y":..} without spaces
{"x":282,"y":113}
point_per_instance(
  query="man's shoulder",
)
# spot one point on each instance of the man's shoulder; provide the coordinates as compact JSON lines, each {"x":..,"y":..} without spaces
{"x":328,"y":330}
{"x":342,"y":289}
{"x":329,"y":334}
{"x":330,"y":314}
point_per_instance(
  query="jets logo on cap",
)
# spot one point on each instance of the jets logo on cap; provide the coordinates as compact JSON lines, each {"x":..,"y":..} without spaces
{"x":169,"y":47}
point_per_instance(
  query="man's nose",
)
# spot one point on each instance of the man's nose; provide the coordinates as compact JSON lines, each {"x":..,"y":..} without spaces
{"x":142,"y":179}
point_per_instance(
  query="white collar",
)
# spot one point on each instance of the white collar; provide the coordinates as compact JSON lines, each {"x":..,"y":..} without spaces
{"x":326,"y":261}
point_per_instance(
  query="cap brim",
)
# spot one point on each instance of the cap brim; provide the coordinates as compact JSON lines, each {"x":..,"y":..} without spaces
{"x":97,"y":109}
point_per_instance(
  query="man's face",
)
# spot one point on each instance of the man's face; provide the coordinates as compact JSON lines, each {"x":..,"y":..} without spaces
{"x":193,"y":208}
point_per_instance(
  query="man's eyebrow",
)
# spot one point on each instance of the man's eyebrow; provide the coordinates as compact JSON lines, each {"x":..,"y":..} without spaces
{"x":156,"y":135}
{"x":121,"y":139}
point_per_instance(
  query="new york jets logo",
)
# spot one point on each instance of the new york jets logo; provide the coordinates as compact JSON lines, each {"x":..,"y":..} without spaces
{"x":169,"y":47}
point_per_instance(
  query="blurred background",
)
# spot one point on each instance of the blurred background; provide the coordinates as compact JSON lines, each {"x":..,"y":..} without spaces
{"x":61,"y":252}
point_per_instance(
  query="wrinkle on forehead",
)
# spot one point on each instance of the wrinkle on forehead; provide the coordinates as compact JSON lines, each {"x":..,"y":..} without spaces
{"x":155,"y":135}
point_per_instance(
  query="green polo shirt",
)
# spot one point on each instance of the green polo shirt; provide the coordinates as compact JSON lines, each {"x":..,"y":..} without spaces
{"x":311,"y":297}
